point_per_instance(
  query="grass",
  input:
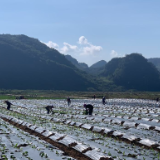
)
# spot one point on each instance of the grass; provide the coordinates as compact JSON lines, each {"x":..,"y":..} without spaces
{"x":50,"y":94}
{"x":6,"y":97}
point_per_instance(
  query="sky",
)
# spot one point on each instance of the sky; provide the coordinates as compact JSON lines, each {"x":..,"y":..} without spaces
{"x":88,"y":30}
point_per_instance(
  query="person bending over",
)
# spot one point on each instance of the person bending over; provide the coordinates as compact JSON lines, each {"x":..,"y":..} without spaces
{"x":8,"y":104}
{"x":89,"y":108}
{"x":49,"y":109}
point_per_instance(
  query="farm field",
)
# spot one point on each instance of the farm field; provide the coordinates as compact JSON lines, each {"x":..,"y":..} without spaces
{"x":122,"y":129}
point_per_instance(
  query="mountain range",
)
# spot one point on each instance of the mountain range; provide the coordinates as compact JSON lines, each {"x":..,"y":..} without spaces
{"x":26,"y":63}
{"x":133,"y":72}
{"x":95,"y":69}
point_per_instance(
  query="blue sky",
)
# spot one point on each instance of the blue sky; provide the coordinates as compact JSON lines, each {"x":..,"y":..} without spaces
{"x":88,"y":30}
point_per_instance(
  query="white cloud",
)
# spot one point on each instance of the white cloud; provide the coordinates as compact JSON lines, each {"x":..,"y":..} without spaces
{"x":68,"y":48}
{"x":51,"y":44}
{"x":84,"y":48}
{"x":83,"y":40}
{"x":64,"y":49}
{"x":114,"y":53}
{"x":90,"y":50}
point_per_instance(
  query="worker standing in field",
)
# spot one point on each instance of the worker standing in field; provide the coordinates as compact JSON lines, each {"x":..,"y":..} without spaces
{"x":68,"y":101}
{"x":89,"y":108}
{"x":49,"y":109}
{"x":103,"y":100}
{"x":8,"y":104}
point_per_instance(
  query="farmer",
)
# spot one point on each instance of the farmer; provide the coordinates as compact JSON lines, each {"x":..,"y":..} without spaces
{"x":49,"y":109}
{"x":89,"y":108}
{"x":8,"y":104}
{"x":103,"y":100}
{"x":68,"y":101}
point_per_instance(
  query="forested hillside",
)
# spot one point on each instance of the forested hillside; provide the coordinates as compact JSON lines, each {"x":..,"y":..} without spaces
{"x":81,"y":66}
{"x":133,"y":72}
{"x":99,"y":64}
{"x":94,"y":69}
{"x":97,"y":68}
{"x":26,"y":63}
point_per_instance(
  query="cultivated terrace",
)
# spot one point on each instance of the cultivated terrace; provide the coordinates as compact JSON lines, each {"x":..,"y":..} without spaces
{"x":122,"y":129}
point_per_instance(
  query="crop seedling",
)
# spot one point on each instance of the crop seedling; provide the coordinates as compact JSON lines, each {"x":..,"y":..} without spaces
{"x":41,"y":154}
{"x":25,"y":153}
{"x":109,"y":153}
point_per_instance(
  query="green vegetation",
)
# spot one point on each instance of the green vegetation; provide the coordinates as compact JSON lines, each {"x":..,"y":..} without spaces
{"x":43,"y":94}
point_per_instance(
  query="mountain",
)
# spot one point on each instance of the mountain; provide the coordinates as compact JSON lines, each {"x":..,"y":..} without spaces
{"x":81,"y":66}
{"x":95,"y":69}
{"x":26,"y":63}
{"x":99,"y":64}
{"x":155,"y":61}
{"x":133,"y":72}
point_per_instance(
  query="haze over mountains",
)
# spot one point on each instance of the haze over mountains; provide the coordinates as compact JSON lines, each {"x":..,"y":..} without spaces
{"x":26,"y":63}
{"x":156,"y":62}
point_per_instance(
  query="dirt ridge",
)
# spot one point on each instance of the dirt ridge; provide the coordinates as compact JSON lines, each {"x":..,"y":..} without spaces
{"x":67,"y":150}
